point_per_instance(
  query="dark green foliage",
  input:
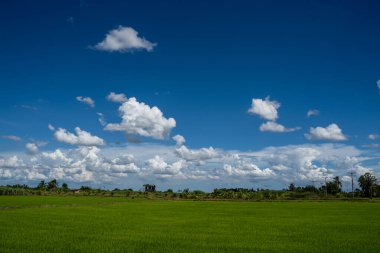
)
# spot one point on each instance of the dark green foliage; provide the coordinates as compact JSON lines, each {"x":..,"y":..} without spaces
{"x":367,"y":183}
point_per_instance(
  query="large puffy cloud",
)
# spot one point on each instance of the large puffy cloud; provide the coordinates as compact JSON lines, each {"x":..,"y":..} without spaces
{"x":124,"y":39}
{"x":80,"y":138}
{"x":86,"y":100}
{"x":330,"y":133}
{"x":272,"y":126}
{"x":117,"y":98}
{"x":266,"y":108}
{"x":141,"y":119}
{"x":272,"y":167}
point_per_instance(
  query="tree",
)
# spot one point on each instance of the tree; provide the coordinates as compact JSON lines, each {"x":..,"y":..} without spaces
{"x":41,"y":185}
{"x":65,"y":187}
{"x":368,"y":184}
{"x":292,"y":187}
{"x":335,"y":186}
{"x":52,"y":184}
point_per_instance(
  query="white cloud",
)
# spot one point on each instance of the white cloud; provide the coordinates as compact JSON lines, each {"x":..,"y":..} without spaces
{"x":141,"y":119}
{"x":272,"y":126}
{"x":87,"y":100}
{"x":373,"y":136}
{"x":248,"y":170}
{"x":11,"y":162}
{"x":11,"y":137}
{"x":117,"y":98}
{"x":81,"y":138}
{"x":378,"y":84}
{"x":265,"y":108}
{"x":31,"y":148}
{"x":179,"y":139}
{"x":312,"y":112}
{"x":124,"y":39}
{"x":330,"y":133}
{"x":51,"y":127}
{"x":198,"y":155}
{"x":157,"y":165}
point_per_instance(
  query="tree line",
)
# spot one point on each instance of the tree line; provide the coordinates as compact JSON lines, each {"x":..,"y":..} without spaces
{"x":331,"y":189}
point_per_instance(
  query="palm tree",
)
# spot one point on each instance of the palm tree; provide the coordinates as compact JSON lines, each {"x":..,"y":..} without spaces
{"x":368,"y":184}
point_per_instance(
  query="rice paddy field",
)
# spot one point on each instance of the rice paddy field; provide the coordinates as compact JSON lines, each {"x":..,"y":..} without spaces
{"x":96,"y":224}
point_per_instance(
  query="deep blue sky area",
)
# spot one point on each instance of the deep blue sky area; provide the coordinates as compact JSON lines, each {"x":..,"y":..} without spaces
{"x":210,"y":60}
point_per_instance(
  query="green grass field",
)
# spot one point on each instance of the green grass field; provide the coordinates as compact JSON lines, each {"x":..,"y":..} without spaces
{"x":90,"y":224}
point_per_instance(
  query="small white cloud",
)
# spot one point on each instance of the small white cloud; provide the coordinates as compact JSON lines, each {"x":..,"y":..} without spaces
{"x":330,"y":133}
{"x":81,"y":138}
{"x":51,"y":127}
{"x":272,"y":126}
{"x":86,"y":100}
{"x":117,"y":98}
{"x":11,"y":137}
{"x":31,"y":148}
{"x":373,"y":136}
{"x":312,"y":112}
{"x":141,"y":119}
{"x":124,"y":39}
{"x":265,"y":108}
{"x":179,"y":139}
{"x":378,"y":84}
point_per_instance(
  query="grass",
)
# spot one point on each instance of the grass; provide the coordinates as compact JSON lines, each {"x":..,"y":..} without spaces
{"x":88,"y":224}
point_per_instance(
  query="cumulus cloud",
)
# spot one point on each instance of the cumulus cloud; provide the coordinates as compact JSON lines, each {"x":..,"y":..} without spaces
{"x":266,"y":108}
{"x":80,"y":138}
{"x":11,"y":137}
{"x":141,"y":119}
{"x":198,"y":156}
{"x":312,"y":112}
{"x":248,"y":170}
{"x":117,"y":98}
{"x":329,"y":133}
{"x":157,"y":165}
{"x":31,"y":148}
{"x":373,"y":136}
{"x":179,"y":139}
{"x":87,"y":100}
{"x":124,"y":39}
{"x":272,"y":126}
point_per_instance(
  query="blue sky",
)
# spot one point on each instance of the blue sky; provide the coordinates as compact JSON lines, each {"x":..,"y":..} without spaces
{"x":200,"y":63}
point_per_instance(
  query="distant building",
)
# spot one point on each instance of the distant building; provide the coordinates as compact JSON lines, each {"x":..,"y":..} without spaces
{"x":149,"y":188}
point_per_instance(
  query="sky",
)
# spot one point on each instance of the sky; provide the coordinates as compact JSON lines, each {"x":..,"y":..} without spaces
{"x":189,"y":94}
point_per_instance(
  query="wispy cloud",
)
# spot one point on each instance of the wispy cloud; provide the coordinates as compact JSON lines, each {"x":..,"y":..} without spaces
{"x":11,"y":137}
{"x":272,"y":126}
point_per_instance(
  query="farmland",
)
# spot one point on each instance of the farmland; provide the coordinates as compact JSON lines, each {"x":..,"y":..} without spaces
{"x":96,"y":224}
